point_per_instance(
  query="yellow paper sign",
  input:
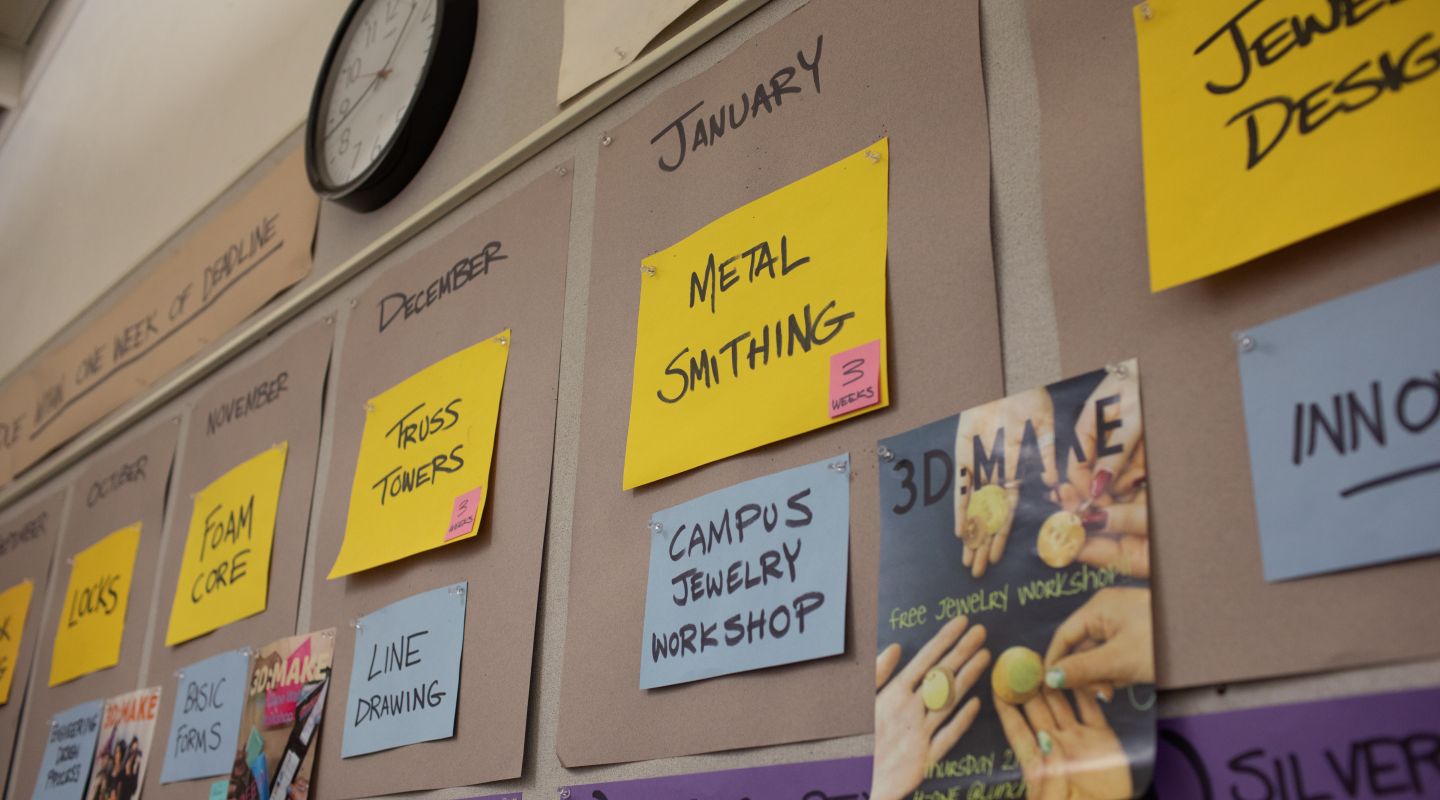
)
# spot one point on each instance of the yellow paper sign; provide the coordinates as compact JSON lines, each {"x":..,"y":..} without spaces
{"x":14,"y":606}
{"x":741,"y":323}
{"x":225,"y":574}
{"x":425,"y":452}
{"x":92,"y":620}
{"x":1269,"y":121}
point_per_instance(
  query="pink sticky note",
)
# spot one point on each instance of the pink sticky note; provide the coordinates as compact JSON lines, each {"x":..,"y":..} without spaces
{"x":466,"y":511}
{"x":855,"y":379}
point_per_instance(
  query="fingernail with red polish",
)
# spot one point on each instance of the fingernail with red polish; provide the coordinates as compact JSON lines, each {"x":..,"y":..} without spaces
{"x":1095,"y":519}
{"x":1100,"y":483}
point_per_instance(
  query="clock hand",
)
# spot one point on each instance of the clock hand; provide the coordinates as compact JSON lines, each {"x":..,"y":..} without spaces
{"x":401,"y":37}
{"x":385,"y":69}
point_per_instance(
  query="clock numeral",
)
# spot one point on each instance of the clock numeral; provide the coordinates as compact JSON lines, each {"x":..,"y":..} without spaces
{"x":351,"y":72}
{"x":345,"y":140}
{"x":375,"y":150}
{"x":371,"y":27}
{"x":392,"y":9}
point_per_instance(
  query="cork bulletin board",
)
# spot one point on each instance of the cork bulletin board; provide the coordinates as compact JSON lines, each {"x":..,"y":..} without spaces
{"x":525,"y":293}
{"x":984,"y":173}
{"x":275,"y":397}
{"x":125,"y":483}
{"x":28,"y":535}
{"x":1217,"y":620}
{"x":944,"y":343}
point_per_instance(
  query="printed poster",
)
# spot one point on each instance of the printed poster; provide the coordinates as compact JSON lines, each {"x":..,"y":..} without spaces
{"x":1342,"y":414}
{"x":284,"y":707}
{"x":1015,"y":634}
{"x":425,"y":452}
{"x":92,"y":621}
{"x":750,"y":576}
{"x":740,"y":322}
{"x":225,"y":571}
{"x":14,"y":607}
{"x":405,"y":677}
{"x":123,"y":746}
{"x":69,"y":749}
{"x":205,"y":718}
{"x":1267,"y":123}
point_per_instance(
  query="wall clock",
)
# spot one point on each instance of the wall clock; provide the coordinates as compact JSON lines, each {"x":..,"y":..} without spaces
{"x":385,"y":91}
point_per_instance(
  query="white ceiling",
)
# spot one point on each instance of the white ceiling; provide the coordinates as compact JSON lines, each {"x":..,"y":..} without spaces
{"x":143,"y":111}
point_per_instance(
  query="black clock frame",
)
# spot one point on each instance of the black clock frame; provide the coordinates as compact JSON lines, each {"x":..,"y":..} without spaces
{"x":440,"y":82}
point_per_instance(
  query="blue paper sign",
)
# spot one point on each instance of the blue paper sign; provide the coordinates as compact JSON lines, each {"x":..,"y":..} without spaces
{"x":748,"y":577}
{"x":69,"y":749}
{"x":1342,"y":411}
{"x":406,"y":672}
{"x":209,"y":699}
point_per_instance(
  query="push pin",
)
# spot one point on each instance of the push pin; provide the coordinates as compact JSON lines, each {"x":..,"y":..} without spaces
{"x":839,"y":466}
{"x":564,"y":792}
{"x":369,"y":407}
{"x":457,"y":589}
{"x":656,"y":528}
{"x":605,"y":140}
{"x":353,"y":302}
{"x":179,"y":674}
{"x":1145,"y":10}
{"x":502,"y":340}
{"x":561,"y":171}
{"x":885,"y":454}
{"x":174,"y":420}
{"x":873,"y":156}
{"x":648,"y":270}
{"x":1246,"y":342}
{"x":330,"y":320}
{"x":1118,"y":370}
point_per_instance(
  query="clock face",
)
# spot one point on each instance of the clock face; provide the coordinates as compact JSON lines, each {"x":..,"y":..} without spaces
{"x":373,"y":80}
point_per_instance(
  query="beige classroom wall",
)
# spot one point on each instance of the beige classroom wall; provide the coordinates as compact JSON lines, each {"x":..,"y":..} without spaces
{"x":139,"y":210}
{"x":137,"y":115}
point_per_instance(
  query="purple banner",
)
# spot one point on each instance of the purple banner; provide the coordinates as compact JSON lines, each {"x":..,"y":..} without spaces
{"x":842,"y":779}
{"x":1379,"y":745}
